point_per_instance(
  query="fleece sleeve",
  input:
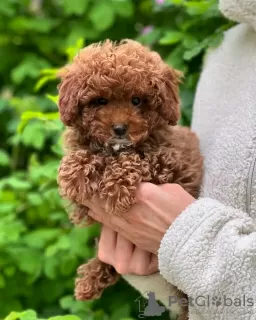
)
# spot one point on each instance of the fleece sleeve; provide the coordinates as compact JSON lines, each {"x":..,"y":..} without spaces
{"x":209,"y":252}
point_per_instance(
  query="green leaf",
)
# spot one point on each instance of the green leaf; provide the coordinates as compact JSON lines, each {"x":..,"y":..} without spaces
{"x":58,"y":150}
{"x":51,"y":267}
{"x":63,"y":243}
{"x":39,"y":238}
{"x":81,"y":31}
{"x":7,"y":9}
{"x":187,"y":98}
{"x":171,"y":37}
{"x":43,"y":81}
{"x":216,"y":40}
{"x":73,"y":51}
{"x":35,"y":199}
{"x":175,"y":59}
{"x":2,"y":282}
{"x":122,"y":312}
{"x":67,"y":302}
{"x":150,"y":37}
{"x":29,"y":67}
{"x":77,"y":7}
{"x":198,"y":7}
{"x":123,"y":8}
{"x":30,"y":115}
{"x":7,"y":207}
{"x":9,"y":271}
{"x":34,"y":135}
{"x":50,"y":170}
{"x":29,"y":260}
{"x":68,"y":264}
{"x":18,"y":184}
{"x":189,"y":41}
{"x":13,"y":316}
{"x":102,"y":15}
{"x":3,"y":105}
{"x":68,"y":317}
{"x":190,"y":54}
{"x":24,"y":24}
{"x":28,"y":315}
{"x":10,"y":230}
{"x":50,"y":72}
{"x":4,"y":158}
{"x":54,"y":99}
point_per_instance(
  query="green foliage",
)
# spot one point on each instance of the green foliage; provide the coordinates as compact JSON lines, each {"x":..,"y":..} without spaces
{"x":39,"y":248}
{"x":31,"y":315}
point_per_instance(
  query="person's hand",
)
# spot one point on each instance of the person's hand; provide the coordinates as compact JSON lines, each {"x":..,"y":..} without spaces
{"x":147,"y":221}
{"x":123,"y":255}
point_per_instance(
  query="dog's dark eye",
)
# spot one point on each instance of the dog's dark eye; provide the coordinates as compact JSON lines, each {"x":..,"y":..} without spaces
{"x":99,"y":101}
{"x":136,"y":101}
{"x":102,"y":101}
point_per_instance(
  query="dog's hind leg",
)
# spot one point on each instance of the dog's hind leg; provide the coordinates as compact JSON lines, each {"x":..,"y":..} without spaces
{"x":94,"y":277}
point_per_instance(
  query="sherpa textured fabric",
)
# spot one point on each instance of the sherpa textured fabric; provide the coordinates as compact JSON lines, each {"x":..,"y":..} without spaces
{"x":209,"y":252}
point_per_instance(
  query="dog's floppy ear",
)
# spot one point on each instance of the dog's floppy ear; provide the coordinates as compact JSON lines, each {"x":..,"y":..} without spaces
{"x":68,"y":96}
{"x":169,"y":95}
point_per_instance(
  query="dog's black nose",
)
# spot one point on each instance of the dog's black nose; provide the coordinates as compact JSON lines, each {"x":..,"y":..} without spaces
{"x":120,"y":129}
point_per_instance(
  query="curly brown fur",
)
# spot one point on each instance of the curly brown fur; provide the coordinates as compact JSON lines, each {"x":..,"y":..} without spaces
{"x":80,"y":216}
{"x":95,"y":276}
{"x":121,"y":104}
{"x":121,"y":176}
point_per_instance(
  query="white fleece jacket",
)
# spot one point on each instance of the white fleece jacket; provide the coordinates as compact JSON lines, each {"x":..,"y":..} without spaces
{"x":209,"y":252}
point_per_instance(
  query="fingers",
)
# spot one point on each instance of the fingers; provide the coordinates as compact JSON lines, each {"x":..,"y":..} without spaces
{"x":142,"y":262}
{"x":107,"y":245}
{"x":153,"y":266}
{"x":115,"y":250}
{"x":119,"y":252}
{"x":123,"y":255}
{"x":133,"y":260}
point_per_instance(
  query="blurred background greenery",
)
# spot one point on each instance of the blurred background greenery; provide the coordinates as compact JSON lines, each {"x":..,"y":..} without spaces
{"x":39,"y":249}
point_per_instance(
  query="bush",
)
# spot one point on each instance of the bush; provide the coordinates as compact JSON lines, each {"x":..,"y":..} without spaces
{"x":39,"y":249}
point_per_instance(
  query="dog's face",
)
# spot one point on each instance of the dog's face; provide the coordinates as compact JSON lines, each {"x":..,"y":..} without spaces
{"x":116,"y":95}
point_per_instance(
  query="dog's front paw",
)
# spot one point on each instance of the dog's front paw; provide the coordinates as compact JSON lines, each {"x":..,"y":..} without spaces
{"x":79,"y":175}
{"x":119,"y":182}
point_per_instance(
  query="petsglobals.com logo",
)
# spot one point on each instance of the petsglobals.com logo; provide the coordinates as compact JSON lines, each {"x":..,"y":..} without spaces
{"x":217,"y":301}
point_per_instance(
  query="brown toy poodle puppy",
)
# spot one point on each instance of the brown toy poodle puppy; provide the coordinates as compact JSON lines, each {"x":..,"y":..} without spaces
{"x":120,"y":103}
